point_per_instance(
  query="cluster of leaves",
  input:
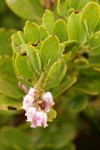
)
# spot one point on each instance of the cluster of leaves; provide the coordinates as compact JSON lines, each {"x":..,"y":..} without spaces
{"x":51,"y":56}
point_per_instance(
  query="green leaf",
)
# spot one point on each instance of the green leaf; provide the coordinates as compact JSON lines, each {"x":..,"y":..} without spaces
{"x":5,"y":47}
{"x":75,"y":28}
{"x":14,"y":142}
{"x":31,"y":32}
{"x":70,"y":146}
{"x":48,"y":21}
{"x":51,"y":115}
{"x":77,"y":103}
{"x":91,"y":85}
{"x":73,"y":46}
{"x":60,"y":52}
{"x":7,"y":102}
{"x":49,"y":50}
{"x":81,"y":4}
{"x":62,"y":7}
{"x":25,"y":82}
{"x":94,"y":42}
{"x":16,"y":42}
{"x":60,"y":29}
{"x":78,"y":4}
{"x":55,"y":75}
{"x":22,"y":66}
{"x":97,"y":27}
{"x":91,"y":16}
{"x":57,"y":140}
{"x":66,"y":56}
{"x":65,"y":84}
{"x":33,"y":60}
{"x":81,"y":61}
{"x":32,"y":9}
{"x":43,"y":33}
{"x":8,"y":81}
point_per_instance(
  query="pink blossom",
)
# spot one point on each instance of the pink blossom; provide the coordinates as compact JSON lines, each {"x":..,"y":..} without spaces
{"x":27,"y":102}
{"x":30,"y":113}
{"x":48,"y":99}
{"x":32,"y":92}
{"x":39,"y":119}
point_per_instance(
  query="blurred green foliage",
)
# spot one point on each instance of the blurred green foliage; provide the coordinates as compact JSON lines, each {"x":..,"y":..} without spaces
{"x":76,"y":26}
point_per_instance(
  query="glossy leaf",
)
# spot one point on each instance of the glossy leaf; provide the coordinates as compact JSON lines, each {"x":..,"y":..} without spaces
{"x":22,"y":66}
{"x":49,"y":49}
{"x":55,"y":75}
{"x":91,"y":16}
{"x":75,"y":28}
{"x":48,"y":21}
{"x":16,"y":42}
{"x":31,"y":32}
{"x":33,"y":60}
{"x":60,"y":30}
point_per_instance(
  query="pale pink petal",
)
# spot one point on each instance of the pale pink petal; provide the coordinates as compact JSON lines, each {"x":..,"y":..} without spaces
{"x":27,"y":102}
{"x":48,"y":99}
{"x":30,"y":113}
{"x":39,"y":119}
{"x":32,"y":92}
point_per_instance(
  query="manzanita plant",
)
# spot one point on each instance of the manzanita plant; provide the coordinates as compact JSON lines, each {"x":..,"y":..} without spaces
{"x":48,"y":56}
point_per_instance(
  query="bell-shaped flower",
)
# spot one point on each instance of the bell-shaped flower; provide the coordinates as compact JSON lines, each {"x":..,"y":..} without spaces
{"x":30,"y":113}
{"x":27,"y":101}
{"x":39,"y":119}
{"x":48,"y":99}
{"x":32,"y":92}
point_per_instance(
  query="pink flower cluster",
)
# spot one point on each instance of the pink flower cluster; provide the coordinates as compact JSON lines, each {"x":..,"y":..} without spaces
{"x":37,"y":106}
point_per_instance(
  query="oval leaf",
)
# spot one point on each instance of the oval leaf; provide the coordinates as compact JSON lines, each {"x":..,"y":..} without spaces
{"x":60,"y":29}
{"x":43,"y":33}
{"x":26,"y":9}
{"x":33,"y":60}
{"x":91,"y":16}
{"x":49,"y":50}
{"x":55,"y":75}
{"x":75,"y":28}
{"x":48,"y":21}
{"x":31,"y":32}
{"x":22,"y":66}
{"x":65,"y":84}
{"x":51,"y":115}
